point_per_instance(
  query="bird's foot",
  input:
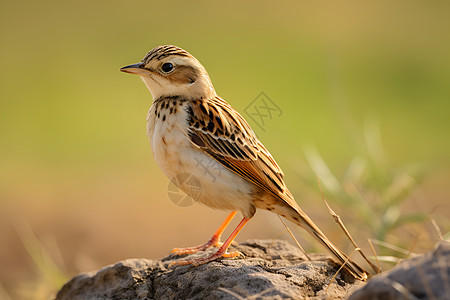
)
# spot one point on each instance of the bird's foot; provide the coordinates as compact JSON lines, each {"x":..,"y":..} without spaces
{"x":200,"y":261}
{"x":213,"y":242}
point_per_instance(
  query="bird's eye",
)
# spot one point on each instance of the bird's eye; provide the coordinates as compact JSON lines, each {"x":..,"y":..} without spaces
{"x":167,"y":67}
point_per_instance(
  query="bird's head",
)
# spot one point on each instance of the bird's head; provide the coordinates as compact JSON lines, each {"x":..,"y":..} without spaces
{"x":172,"y":71}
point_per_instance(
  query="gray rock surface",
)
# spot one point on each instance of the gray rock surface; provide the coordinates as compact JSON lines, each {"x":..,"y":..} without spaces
{"x":423,"y":277}
{"x":271,"y":269}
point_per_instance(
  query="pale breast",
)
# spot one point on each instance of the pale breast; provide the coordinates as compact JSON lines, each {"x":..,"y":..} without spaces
{"x":167,"y":132}
{"x":167,"y":128}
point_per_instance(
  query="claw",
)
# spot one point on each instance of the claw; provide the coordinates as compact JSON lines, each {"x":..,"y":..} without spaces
{"x":200,"y":261}
{"x":233,"y":254}
{"x":214,"y":242}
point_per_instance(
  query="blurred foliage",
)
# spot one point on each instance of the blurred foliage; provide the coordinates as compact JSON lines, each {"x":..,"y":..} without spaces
{"x":50,"y":268}
{"x":64,"y":101}
{"x":73,"y":149}
{"x":371,"y":188}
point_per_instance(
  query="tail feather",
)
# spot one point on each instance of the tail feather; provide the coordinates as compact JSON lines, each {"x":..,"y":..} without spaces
{"x":306,"y":223}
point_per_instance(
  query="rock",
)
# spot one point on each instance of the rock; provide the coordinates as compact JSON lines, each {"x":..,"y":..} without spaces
{"x":423,"y":277}
{"x":271,"y":269}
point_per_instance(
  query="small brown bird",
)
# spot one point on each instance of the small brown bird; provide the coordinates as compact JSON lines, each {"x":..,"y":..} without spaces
{"x":188,"y":123}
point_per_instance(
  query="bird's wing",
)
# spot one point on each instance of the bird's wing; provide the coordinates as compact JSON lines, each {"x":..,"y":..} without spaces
{"x":216,"y":128}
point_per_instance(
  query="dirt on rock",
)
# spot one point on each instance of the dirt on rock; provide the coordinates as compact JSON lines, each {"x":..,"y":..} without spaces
{"x":271,"y":269}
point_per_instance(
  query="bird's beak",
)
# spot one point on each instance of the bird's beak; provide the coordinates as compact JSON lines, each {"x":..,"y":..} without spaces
{"x":136,"y":69}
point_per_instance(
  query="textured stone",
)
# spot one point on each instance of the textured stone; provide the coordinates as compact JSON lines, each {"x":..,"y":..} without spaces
{"x":271,"y":269}
{"x":423,"y":277}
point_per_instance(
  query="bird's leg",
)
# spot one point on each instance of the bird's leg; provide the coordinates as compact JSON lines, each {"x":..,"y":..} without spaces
{"x":213,"y":242}
{"x":222,"y":252}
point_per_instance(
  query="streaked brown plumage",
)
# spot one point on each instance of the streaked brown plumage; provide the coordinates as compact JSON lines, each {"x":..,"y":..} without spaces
{"x":188,"y":122}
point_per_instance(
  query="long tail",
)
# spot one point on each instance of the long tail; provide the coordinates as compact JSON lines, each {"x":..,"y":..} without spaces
{"x":306,"y":223}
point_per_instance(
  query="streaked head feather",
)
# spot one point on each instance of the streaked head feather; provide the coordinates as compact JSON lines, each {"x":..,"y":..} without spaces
{"x":188,"y":79}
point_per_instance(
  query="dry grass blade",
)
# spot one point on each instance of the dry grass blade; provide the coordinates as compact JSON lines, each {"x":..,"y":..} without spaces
{"x":410,"y":250}
{"x":400,"y":288}
{"x":234,"y":294}
{"x":341,"y":224}
{"x":255,"y":296}
{"x":292,"y":235}
{"x":340,"y":268}
{"x":51,"y":275}
{"x":387,"y":258}
{"x":347,"y":233}
{"x":375,"y":255}
{"x":392,"y":247}
{"x":436,"y":227}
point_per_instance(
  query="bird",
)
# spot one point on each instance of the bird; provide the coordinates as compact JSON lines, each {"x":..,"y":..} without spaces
{"x":189,"y":123}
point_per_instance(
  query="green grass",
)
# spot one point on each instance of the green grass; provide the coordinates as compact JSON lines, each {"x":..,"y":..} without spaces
{"x":373,"y":194}
{"x":50,"y":271}
{"x":372,"y":187}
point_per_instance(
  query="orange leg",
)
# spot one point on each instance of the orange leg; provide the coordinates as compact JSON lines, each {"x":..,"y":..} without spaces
{"x":213,"y":242}
{"x":222,"y":252}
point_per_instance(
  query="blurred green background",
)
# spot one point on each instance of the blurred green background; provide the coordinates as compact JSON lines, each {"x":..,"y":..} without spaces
{"x":78,"y":185}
